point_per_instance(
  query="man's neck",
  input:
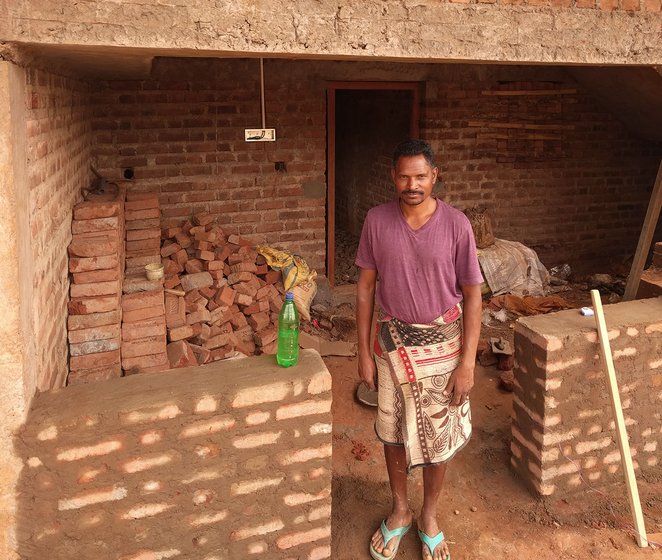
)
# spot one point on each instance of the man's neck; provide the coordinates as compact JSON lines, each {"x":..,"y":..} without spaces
{"x":417,"y":216}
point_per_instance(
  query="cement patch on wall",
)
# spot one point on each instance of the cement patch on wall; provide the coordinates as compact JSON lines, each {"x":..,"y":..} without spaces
{"x":430,"y":31}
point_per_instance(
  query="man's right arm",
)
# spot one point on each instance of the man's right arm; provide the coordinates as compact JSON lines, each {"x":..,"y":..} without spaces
{"x":365,"y":305}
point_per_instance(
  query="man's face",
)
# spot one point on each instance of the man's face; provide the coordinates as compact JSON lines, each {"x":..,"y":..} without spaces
{"x":414,"y":179}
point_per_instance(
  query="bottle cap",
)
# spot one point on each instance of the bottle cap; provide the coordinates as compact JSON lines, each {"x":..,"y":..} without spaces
{"x":289,"y":296}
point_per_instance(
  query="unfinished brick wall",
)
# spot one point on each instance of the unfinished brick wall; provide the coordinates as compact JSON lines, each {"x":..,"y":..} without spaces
{"x":556,"y":170}
{"x":59,"y":141}
{"x":564,"y":439}
{"x":183,"y":134}
{"x":231,"y":460}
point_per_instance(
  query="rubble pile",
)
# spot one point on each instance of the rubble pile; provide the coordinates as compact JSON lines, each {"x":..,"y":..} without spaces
{"x":220,"y":295}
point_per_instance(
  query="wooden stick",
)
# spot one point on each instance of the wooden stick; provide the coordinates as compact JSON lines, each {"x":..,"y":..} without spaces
{"x":624,"y":445}
{"x":645,"y":238}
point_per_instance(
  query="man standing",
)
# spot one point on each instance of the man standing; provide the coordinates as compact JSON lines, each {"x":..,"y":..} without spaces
{"x":425,"y":345}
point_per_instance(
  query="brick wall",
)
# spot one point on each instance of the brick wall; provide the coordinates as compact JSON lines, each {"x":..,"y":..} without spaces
{"x":59,"y":140}
{"x":564,"y":437}
{"x":231,"y":460}
{"x":183,"y":134}
{"x":557,"y":171}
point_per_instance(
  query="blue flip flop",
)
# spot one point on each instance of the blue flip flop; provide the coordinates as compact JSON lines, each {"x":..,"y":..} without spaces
{"x":432,"y":542}
{"x":387,"y":535}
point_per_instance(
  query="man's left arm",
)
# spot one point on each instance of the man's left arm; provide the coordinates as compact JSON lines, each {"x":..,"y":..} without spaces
{"x":463,"y":377}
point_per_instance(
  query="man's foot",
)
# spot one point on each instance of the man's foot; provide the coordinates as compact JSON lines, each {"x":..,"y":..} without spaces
{"x":396,"y":526}
{"x":434,"y":546}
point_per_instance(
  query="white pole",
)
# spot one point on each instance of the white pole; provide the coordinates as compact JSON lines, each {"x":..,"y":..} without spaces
{"x":623,"y":443}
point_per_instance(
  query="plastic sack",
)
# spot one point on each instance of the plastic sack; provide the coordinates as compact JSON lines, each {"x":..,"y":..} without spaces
{"x":294,"y":269}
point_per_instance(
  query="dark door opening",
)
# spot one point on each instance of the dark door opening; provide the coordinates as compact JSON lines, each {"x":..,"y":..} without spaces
{"x":366,"y":120}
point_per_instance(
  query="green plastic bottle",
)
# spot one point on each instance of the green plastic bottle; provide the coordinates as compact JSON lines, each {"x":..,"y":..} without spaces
{"x":288,"y":333}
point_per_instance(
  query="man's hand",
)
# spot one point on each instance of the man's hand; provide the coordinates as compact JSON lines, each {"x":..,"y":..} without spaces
{"x":368,"y":371}
{"x":460,"y":383}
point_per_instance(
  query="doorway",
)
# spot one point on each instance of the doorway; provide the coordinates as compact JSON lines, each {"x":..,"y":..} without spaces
{"x":365,"y":121}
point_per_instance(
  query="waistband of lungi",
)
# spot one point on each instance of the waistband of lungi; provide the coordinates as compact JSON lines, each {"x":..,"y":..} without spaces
{"x":446,"y":318}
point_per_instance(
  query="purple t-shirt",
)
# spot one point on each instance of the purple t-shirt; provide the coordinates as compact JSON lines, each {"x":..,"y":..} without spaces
{"x":421,"y":272}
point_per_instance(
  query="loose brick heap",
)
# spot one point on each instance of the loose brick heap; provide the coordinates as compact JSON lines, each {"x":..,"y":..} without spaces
{"x":143,"y":310}
{"x":96,"y":263}
{"x":221,"y":295}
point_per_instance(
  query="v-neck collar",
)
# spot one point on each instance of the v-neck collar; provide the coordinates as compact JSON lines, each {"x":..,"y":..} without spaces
{"x":410,"y":229}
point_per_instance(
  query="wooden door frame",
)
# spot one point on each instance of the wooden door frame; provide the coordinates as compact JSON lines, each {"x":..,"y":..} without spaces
{"x":414,"y":129}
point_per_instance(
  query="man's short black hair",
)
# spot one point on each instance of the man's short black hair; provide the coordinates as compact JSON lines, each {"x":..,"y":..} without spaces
{"x":413,"y":147}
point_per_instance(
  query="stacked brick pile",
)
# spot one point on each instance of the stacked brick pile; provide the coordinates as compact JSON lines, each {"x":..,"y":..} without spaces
{"x":96,"y":264}
{"x":221,"y":296}
{"x":143,"y":311}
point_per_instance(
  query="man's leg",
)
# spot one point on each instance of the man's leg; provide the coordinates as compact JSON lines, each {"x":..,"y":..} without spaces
{"x":433,"y":480}
{"x":401,"y":516}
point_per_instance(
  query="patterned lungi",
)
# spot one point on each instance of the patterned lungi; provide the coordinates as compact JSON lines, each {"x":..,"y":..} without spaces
{"x":414,"y":364}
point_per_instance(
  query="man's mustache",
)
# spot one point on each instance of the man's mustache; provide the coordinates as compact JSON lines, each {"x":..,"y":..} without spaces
{"x":412,"y":192}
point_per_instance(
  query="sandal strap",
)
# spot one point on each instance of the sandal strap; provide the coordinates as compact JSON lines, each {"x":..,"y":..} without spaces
{"x":431,"y":542}
{"x":388,"y":534}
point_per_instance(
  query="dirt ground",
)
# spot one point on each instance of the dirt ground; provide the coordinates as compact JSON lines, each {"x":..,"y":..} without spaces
{"x":486,"y":512}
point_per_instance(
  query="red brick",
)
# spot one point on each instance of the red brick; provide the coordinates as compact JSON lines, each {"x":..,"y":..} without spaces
{"x":221,"y":353}
{"x":193,"y":296}
{"x":198,"y":317}
{"x":182,"y":258}
{"x":137,"y":195}
{"x":243,"y":299}
{"x":196,"y":230}
{"x":170,"y":232}
{"x":180,"y":354}
{"x":171,"y":249}
{"x":96,"y":276}
{"x":183,"y":240}
{"x":172,"y":282}
{"x":246,"y":288}
{"x":95,"y":333}
{"x":266,"y":335}
{"x":171,"y":268}
{"x":196,"y":281}
{"x":205,"y":255}
{"x":86,"y":306}
{"x":141,"y":300}
{"x":214,"y":265}
{"x":97,"y":247}
{"x":92,"y":320}
{"x":94,"y":346}
{"x":97,"y":225}
{"x":236,"y":240}
{"x":651,"y":5}
{"x":147,"y":214}
{"x":234,"y":258}
{"x":93,"y":263}
{"x":95,"y":289}
{"x":89,"y":210}
{"x":217,"y":341}
{"x":262,"y":269}
{"x":151,"y":246}
{"x":238,"y":320}
{"x":203,"y":219}
{"x":175,"y":311}
{"x":259,"y":321}
{"x":256,"y":307}
{"x":145,"y":204}
{"x":197,"y":305}
{"x":223,"y":253}
{"x":208,"y":292}
{"x":143,"y":314}
{"x":203,"y":246}
{"x":144,"y":329}
{"x":194,"y":266}
{"x":142,"y":363}
{"x":219,"y":313}
{"x":94,"y":374}
{"x":143,"y":347}
{"x":151,"y":233}
{"x":244,"y":266}
{"x":236,"y":277}
{"x":91,"y":361}
{"x":142,"y":224}
{"x":272,"y":277}
{"x":203,"y":355}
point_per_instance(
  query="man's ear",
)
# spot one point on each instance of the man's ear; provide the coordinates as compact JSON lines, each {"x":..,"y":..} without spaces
{"x":435,"y":175}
